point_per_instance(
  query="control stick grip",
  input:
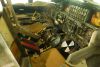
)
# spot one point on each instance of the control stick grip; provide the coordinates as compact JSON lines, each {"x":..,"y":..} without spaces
{"x":95,"y":38}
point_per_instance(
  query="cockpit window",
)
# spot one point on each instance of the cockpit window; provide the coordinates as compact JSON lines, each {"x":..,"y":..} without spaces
{"x":19,"y":1}
{"x":1,"y":8}
{"x":26,"y":1}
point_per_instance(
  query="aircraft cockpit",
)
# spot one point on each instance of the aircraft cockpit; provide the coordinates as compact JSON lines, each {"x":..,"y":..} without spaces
{"x":66,"y":25}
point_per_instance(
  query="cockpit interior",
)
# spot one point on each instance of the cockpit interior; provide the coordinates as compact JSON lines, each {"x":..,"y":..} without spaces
{"x":59,"y":33}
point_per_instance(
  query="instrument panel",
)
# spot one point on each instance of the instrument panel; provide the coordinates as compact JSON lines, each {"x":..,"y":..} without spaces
{"x":79,"y":22}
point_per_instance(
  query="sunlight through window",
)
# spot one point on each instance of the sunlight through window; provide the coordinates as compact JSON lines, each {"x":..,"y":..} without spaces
{"x":97,"y":1}
{"x":1,"y":8}
{"x":26,"y":1}
{"x":42,"y":0}
{"x":19,"y":1}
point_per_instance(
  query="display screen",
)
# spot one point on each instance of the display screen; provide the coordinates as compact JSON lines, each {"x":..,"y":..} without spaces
{"x":96,"y":19}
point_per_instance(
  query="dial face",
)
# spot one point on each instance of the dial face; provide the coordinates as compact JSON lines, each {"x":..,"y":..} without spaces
{"x":96,"y":19}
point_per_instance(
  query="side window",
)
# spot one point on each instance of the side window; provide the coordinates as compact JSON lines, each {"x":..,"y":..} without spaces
{"x":19,"y":1}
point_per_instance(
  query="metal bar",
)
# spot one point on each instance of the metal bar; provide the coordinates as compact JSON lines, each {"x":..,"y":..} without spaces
{"x":8,"y":14}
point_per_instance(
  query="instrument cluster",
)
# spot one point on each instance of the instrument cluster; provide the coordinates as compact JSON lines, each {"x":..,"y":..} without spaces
{"x":73,"y":22}
{"x":78,"y":13}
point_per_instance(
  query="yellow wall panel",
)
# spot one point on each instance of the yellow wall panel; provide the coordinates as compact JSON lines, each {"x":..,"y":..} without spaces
{"x":5,"y":32}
